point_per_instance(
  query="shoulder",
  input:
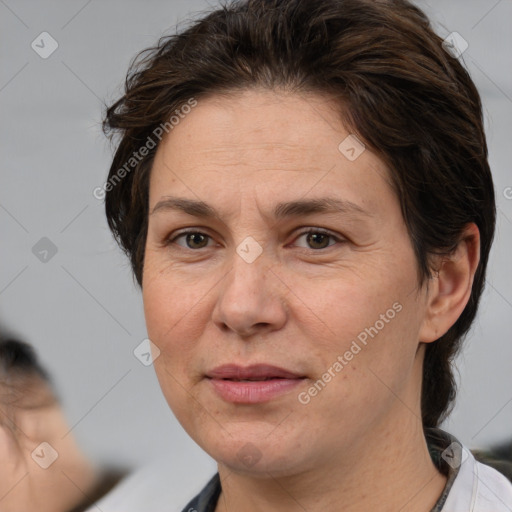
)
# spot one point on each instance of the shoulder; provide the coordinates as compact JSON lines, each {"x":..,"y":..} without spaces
{"x":160,"y":485}
{"x":478,"y":488}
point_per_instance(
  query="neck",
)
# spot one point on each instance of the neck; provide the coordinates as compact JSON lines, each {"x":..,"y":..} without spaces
{"x":389,"y":470}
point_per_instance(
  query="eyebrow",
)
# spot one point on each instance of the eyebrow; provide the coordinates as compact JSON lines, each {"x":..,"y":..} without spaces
{"x":282,"y":210}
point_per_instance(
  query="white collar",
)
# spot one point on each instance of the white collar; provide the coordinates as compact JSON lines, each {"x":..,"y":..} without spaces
{"x":478,"y":488}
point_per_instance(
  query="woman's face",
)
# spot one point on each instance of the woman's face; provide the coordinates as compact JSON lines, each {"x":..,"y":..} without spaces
{"x":331,"y":319}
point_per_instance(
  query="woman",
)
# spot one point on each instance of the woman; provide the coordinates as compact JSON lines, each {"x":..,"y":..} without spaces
{"x":41,"y":465}
{"x":303,"y":190}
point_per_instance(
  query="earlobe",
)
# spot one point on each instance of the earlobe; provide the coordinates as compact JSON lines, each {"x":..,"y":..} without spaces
{"x":450,"y":288}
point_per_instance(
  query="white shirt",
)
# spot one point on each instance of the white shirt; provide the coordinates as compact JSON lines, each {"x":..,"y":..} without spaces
{"x":164,"y":486}
{"x":478,"y":488}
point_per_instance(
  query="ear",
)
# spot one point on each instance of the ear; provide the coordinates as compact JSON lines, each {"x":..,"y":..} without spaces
{"x":450,"y":289}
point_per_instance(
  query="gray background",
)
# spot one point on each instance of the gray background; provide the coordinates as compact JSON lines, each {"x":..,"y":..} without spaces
{"x":81,"y":308}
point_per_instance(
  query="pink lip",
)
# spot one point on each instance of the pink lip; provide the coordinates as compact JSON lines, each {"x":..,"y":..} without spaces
{"x":237,"y":384}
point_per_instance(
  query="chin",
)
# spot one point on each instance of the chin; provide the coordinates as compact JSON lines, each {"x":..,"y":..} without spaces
{"x":270,"y":464}
{"x":256,"y":454}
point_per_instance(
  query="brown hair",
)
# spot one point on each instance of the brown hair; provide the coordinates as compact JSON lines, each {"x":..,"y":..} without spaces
{"x":399,"y":91}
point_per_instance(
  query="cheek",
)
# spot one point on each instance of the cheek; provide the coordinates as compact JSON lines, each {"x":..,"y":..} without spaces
{"x":172,"y":324}
{"x":364,"y":335}
{"x":332,"y":311}
{"x":170,"y":303}
{"x":373,"y":362}
{"x":176,"y":316}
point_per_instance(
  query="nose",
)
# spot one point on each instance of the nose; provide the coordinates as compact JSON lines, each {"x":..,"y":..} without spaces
{"x":251,"y":299}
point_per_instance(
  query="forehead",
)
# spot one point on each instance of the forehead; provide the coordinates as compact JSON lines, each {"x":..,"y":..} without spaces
{"x":265,"y":143}
{"x":258,"y":123}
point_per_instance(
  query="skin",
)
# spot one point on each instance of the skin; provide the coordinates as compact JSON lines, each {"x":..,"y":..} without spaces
{"x":298,"y":306}
{"x":32,"y":418}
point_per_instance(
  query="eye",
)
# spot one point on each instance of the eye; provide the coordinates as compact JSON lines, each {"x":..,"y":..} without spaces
{"x":318,"y":239}
{"x":193,"y":239}
{"x":314,"y":239}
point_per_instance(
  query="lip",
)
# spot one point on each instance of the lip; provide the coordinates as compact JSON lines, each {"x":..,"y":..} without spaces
{"x":252,"y":384}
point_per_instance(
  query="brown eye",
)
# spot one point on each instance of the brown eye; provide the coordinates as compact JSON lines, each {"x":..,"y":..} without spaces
{"x":196,"y":238}
{"x":318,"y":239}
{"x":193,"y":240}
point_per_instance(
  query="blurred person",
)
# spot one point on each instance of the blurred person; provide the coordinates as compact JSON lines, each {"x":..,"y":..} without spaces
{"x":41,"y":466}
{"x":303,"y":190}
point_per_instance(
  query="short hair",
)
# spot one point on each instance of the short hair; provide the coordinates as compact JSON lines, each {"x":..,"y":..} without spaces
{"x":18,"y":358}
{"x":398,"y":90}
{"x":23,"y":380}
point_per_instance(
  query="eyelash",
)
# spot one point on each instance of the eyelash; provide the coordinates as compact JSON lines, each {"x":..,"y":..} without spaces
{"x":320,"y":231}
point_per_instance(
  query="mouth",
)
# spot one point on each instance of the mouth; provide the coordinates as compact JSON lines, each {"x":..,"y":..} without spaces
{"x":252,"y":384}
